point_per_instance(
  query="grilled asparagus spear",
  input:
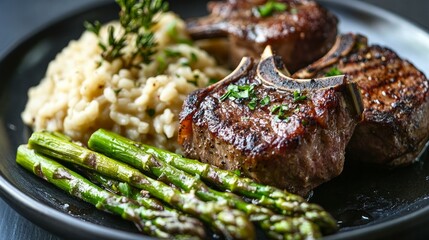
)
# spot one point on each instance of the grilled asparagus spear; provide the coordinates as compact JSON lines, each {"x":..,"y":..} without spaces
{"x":125,"y":189}
{"x":231,"y":223}
{"x":276,"y":226}
{"x":278,"y":200}
{"x":162,"y":224}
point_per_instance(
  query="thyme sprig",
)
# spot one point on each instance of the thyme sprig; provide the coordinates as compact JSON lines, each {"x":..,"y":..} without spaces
{"x":137,"y":17}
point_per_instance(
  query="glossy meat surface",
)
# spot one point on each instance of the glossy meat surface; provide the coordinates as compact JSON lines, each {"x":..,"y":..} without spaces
{"x":298,"y":148}
{"x":300,"y":34}
{"x":395,"y":94}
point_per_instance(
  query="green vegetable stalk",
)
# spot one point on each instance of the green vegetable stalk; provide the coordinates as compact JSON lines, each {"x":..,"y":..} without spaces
{"x":127,"y":151}
{"x":280,"y":201}
{"x":231,"y":223}
{"x":162,"y":224}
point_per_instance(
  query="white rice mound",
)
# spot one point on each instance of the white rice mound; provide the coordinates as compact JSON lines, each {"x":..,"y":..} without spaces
{"x":80,"y":93}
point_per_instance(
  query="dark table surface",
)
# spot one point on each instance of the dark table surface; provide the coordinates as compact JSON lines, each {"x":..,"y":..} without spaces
{"x":19,"y":18}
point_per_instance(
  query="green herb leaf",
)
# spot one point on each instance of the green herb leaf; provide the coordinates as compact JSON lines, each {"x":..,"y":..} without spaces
{"x":265,"y":101}
{"x":172,"y":54}
{"x":270,"y":8}
{"x":244,"y":92}
{"x":237,"y":92}
{"x":298,"y":96}
{"x":194,"y":57}
{"x":333,"y":72}
{"x":252,"y":104}
{"x":281,"y":111}
{"x":93,"y":27}
{"x":137,"y":17}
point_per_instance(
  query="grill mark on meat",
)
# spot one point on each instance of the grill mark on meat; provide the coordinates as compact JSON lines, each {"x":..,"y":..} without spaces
{"x":299,"y":38}
{"x":395,"y":94}
{"x":298,"y":154}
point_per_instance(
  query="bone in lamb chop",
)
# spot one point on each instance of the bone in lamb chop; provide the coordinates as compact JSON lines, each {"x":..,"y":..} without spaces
{"x":299,"y":31}
{"x":280,"y":131}
{"x":395,"y":94}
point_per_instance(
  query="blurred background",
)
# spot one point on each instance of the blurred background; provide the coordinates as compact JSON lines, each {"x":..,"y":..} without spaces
{"x":20,"y":18}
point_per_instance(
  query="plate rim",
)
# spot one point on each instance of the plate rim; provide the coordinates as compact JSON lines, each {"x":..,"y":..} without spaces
{"x":40,"y":214}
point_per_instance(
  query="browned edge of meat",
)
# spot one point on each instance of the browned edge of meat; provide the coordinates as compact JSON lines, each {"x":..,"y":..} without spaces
{"x":296,"y":150}
{"x":301,"y":34}
{"x":395,"y":126}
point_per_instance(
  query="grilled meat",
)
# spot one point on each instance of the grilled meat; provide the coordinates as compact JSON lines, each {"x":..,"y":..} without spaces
{"x":395,"y":94}
{"x":280,"y":131}
{"x":301,"y":32}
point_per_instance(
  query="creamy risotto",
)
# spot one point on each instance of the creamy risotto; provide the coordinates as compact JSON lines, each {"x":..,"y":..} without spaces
{"x":82,"y":93}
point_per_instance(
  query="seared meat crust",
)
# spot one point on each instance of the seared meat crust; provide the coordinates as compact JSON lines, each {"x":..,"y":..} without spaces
{"x":299,"y":151}
{"x":302,"y":33}
{"x":395,"y":94}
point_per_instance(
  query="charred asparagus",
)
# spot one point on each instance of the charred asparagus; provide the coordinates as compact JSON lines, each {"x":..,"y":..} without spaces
{"x":162,"y":224}
{"x":231,"y":223}
{"x":281,"y":201}
{"x":276,"y":226}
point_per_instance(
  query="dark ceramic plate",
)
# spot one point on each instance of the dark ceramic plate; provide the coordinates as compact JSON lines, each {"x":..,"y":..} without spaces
{"x":368,"y":202}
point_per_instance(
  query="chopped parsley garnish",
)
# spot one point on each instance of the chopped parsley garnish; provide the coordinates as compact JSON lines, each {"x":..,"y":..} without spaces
{"x":280,"y":111}
{"x":265,"y":101}
{"x":298,"y":96}
{"x":238,"y":92}
{"x":333,"y":72}
{"x":252,"y":104}
{"x":246,"y":92}
{"x":269,"y":8}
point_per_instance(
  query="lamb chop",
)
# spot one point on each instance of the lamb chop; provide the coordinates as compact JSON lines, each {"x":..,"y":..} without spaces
{"x":298,"y":30}
{"x":280,"y":131}
{"x":395,"y":127}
